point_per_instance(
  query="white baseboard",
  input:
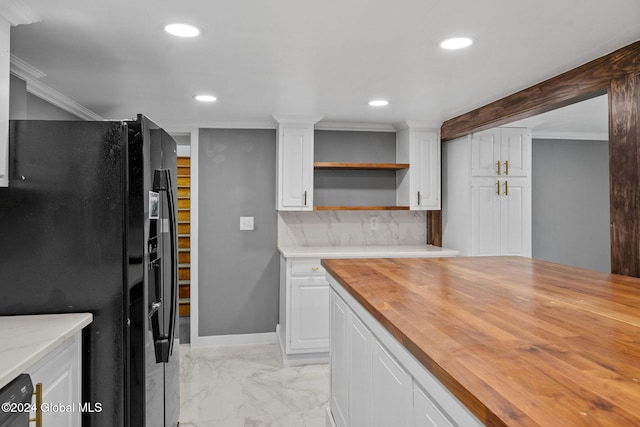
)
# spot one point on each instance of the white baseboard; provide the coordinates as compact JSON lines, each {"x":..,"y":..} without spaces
{"x":299,"y":359}
{"x":229,"y":340}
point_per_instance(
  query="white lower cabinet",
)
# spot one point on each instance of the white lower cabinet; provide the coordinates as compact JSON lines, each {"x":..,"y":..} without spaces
{"x":339,"y":375}
{"x":375,"y":381}
{"x":359,"y":342}
{"x":303,"y":329}
{"x":391,"y":390}
{"x":425,"y":411}
{"x":60,"y":375}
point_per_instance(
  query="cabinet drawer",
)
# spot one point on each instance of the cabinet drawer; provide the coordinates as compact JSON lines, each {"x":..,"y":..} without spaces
{"x":307,"y":267}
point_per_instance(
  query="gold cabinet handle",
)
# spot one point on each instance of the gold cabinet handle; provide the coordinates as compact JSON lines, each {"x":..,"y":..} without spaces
{"x":506,"y":167}
{"x":506,"y":188}
{"x":498,"y":163}
{"x":305,"y":197}
{"x":38,"y":394}
{"x":315,"y":268}
{"x":498,"y":187}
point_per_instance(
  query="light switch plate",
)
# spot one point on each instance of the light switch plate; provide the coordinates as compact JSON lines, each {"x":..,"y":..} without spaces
{"x":246,"y":223}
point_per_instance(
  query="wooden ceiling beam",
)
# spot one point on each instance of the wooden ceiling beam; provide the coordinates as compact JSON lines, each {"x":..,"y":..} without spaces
{"x":618,"y":75}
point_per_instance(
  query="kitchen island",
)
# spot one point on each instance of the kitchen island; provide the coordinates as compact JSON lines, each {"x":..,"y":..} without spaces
{"x":487,"y":340}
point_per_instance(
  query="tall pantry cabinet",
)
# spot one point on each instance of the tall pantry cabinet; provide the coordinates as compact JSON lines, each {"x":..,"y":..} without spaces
{"x":487,"y":193}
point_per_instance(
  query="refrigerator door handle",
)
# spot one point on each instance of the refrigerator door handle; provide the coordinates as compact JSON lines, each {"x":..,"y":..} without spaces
{"x":164,"y":342}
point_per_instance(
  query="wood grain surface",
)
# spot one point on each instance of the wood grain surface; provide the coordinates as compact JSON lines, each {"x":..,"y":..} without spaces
{"x":360,"y":166}
{"x":520,"y":342}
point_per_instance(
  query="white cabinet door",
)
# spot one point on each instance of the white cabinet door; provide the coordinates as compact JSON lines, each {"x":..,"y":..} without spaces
{"x":515,"y":152}
{"x":425,"y":170}
{"x":485,"y":153}
{"x":309,"y":313}
{"x":60,"y":375}
{"x":501,"y":152}
{"x":418,"y":143}
{"x":360,"y":348}
{"x":515,"y":217}
{"x":485,"y":215}
{"x":426,"y":412}
{"x":391,"y":390}
{"x":501,"y":215}
{"x":339,"y":374}
{"x":295,"y":168}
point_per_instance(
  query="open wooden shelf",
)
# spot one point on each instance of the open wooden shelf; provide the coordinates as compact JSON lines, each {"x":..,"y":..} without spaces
{"x":360,"y":166}
{"x":361,"y":208}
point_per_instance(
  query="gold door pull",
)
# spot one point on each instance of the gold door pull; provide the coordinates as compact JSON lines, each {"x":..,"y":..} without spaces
{"x":506,"y":188}
{"x":315,"y":268}
{"x":506,"y":167}
{"x":498,"y":187}
{"x":305,"y":198}
{"x":498,"y":163}
{"x":38,"y":394}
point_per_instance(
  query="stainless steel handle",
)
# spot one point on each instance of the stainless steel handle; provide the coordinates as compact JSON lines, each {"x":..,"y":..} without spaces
{"x":155,"y":306}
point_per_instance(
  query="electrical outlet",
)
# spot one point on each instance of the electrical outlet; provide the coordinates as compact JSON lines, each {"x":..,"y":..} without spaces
{"x":246,"y":223}
{"x":373,"y":223}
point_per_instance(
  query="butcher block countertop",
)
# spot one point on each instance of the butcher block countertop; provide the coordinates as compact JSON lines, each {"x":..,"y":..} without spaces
{"x":520,"y":342}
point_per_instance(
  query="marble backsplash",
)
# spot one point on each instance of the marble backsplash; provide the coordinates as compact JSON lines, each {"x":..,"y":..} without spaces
{"x":351,"y":228}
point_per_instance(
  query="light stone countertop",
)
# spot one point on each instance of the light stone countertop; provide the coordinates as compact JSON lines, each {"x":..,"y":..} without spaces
{"x":24,"y":340}
{"x":380,"y":251}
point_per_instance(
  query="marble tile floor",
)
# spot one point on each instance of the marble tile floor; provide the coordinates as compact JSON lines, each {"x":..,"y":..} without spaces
{"x":247,"y":386}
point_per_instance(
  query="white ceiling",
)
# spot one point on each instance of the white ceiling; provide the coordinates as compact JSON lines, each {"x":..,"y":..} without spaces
{"x":303,"y":57}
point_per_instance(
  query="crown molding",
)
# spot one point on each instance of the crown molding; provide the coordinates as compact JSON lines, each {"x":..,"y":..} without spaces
{"x":187,"y":126}
{"x":24,"y":70}
{"x":361,"y":127}
{"x":570,"y":136}
{"x":56,"y":98}
{"x":418,"y":124}
{"x":298,"y":120}
{"x":15,"y":12}
{"x":30,"y":74}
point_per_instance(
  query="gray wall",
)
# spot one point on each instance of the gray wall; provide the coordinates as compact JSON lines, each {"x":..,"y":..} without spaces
{"x":570,"y":203}
{"x":238,"y":270}
{"x":24,"y":105}
{"x":354,"y":187}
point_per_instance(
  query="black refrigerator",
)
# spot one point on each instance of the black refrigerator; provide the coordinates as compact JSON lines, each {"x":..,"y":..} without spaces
{"x":88,"y":224}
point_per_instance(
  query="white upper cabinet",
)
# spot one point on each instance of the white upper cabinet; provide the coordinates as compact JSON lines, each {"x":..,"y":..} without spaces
{"x":501,"y":152}
{"x":4,"y":102}
{"x":11,"y":14}
{"x":418,"y":143}
{"x":294,"y":168}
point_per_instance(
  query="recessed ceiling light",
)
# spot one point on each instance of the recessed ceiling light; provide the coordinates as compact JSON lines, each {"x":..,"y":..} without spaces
{"x":182,"y":30}
{"x":456,"y":43}
{"x":378,"y":102}
{"x":205,"y":98}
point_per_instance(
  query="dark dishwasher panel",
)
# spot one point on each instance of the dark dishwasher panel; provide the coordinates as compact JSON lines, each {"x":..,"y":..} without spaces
{"x":15,"y":399}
